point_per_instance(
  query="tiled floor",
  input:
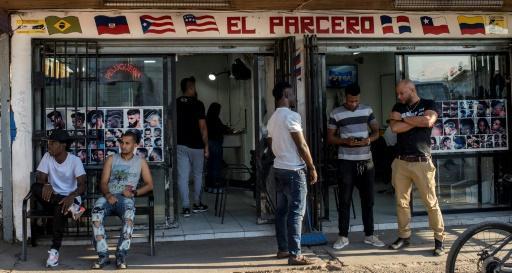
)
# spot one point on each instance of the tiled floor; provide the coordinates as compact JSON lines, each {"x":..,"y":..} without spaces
{"x":240,"y":218}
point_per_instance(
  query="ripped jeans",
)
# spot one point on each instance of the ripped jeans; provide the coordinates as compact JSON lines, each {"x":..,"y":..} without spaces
{"x":125,"y":209}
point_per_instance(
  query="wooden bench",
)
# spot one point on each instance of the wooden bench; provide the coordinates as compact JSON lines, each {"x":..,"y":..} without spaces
{"x":34,"y":213}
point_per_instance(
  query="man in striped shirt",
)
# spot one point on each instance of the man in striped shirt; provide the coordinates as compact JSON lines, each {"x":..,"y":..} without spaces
{"x":355,"y":165}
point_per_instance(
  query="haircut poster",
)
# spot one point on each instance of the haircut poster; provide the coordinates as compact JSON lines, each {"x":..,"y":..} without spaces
{"x":470,"y":125}
{"x":101,"y":130}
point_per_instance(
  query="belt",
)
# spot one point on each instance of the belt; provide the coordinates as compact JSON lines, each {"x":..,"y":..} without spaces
{"x":414,"y":158}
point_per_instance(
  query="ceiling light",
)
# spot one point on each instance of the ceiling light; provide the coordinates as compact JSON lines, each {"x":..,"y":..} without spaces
{"x":168,"y":3}
{"x":149,"y":61}
{"x":436,"y":4}
{"x":213,"y":76}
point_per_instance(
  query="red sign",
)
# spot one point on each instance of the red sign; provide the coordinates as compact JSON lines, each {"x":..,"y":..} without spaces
{"x":127,"y":68}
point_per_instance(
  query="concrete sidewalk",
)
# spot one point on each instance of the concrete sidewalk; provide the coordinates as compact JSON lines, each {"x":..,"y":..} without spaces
{"x":245,"y":255}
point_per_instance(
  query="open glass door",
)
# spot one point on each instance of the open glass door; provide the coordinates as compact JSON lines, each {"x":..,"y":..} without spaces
{"x":314,"y":64}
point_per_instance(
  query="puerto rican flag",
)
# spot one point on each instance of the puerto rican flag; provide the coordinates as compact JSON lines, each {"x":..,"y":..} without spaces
{"x":203,"y":23}
{"x":434,"y":25}
{"x":157,"y":25}
{"x":395,"y":25}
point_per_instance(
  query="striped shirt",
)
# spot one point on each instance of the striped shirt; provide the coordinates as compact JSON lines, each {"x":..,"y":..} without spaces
{"x":352,"y":124}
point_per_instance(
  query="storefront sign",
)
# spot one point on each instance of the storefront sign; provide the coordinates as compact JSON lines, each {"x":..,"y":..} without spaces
{"x":266,"y":24}
{"x":129,"y":69}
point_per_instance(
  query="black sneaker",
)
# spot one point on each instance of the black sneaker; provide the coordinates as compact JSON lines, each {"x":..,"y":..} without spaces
{"x":199,"y":208}
{"x":101,"y":262}
{"x":121,"y":262}
{"x":186,"y":212}
{"x":438,"y":248}
{"x":400,"y":243}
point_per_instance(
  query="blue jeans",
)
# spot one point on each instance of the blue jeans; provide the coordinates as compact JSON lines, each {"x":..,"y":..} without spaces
{"x":125,"y":209}
{"x":291,"y":190}
{"x":190,"y":159}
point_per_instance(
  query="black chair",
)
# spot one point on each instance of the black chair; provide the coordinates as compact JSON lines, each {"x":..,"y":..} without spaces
{"x":34,"y":213}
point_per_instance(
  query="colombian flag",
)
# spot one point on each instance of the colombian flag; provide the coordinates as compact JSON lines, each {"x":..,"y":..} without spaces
{"x":470,"y":25}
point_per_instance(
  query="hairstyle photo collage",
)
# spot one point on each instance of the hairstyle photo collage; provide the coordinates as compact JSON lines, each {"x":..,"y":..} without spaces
{"x":103,"y":128}
{"x":470,"y":125}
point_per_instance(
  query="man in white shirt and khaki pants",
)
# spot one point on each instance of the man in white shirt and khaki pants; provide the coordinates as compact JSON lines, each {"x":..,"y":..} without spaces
{"x":292,"y":158}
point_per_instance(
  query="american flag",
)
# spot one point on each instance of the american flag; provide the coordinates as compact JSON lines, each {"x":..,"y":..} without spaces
{"x":200,"y":23}
{"x":156,"y":25}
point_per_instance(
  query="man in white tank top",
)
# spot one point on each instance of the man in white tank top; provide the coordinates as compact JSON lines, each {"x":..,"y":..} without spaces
{"x":119,"y":180}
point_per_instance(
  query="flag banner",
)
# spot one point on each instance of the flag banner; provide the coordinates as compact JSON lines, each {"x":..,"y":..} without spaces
{"x":202,"y":23}
{"x":157,"y":25}
{"x":434,"y":25}
{"x":470,"y":25}
{"x":395,"y":25}
{"x":111,"y":25}
{"x":63,"y":25}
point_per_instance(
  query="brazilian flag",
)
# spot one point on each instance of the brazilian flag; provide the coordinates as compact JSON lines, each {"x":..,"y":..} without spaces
{"x":63,"y":25}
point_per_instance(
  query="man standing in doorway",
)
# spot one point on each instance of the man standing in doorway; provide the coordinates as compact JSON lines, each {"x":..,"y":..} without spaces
{"x":355,"y":164}
{"x":192,"y":145}
{"x":292,"y":156}
{"x":412,"y":119}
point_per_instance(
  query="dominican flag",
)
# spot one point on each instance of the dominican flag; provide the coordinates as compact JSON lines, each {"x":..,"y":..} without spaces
{"x":395,"y":25}
{"x":157,"y":25}
{"x":201,"y":23}
{"x":111,"y":25}
{"x":434,"y":25}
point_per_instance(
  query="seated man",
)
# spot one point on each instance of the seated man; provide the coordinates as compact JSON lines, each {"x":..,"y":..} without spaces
{"x":60,"y":182}
{"x":121,"y":174}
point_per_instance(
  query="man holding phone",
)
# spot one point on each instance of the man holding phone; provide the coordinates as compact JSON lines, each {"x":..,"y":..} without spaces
{"x":355,"y":165}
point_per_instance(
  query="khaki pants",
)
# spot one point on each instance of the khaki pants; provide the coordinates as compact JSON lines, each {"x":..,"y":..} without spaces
{"x":422,"y":174}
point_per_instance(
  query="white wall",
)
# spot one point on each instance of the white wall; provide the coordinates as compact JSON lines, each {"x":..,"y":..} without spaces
{"x":372,"y":69}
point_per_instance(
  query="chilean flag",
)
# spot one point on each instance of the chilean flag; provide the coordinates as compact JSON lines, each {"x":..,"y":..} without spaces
{"x":395,"y":25}
{"x":436,"y":25}
{"x":111,"y":25}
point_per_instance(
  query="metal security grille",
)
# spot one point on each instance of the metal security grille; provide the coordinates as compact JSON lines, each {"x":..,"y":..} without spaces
{"x":168,"y":3}
{"x":64,"y":78}
{"x":438,"y":4}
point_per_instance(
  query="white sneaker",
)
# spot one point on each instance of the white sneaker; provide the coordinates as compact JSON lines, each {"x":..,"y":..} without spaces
{"x":341,"y":243}
{"x":374,"y":241}
{"x":53,"y":258}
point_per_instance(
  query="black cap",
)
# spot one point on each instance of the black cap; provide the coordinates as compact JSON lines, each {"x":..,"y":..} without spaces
{"x":61,"y":136}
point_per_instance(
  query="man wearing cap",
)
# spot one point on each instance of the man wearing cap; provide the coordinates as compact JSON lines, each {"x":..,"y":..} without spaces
{"x":59,"y":184}
{"x":412,"y":119}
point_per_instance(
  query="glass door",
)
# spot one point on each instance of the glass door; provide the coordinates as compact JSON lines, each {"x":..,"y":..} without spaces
{"x":471,"y":92}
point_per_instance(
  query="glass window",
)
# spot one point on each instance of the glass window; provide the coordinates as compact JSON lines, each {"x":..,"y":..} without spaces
{"x":470,"y":91}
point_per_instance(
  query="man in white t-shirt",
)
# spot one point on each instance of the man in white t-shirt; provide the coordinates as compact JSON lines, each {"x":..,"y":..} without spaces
{"x":292,"y":157}
{"x":60,"y":183}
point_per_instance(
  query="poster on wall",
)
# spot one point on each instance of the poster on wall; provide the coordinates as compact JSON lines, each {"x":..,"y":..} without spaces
{"x":102,"y":129}
{"x":470,"y":125}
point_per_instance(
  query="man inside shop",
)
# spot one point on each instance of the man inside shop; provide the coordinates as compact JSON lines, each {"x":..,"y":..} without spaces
{"x":192,"y":146}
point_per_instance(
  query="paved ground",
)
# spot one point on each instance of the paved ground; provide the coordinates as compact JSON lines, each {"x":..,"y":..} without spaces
{"x":245,"y":255}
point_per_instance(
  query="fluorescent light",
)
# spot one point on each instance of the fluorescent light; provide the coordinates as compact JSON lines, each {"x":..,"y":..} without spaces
{"x":418,"y":4}
{"x":356,"y":53}
{"x":212,"y":77}
{"x":149,"y":61}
